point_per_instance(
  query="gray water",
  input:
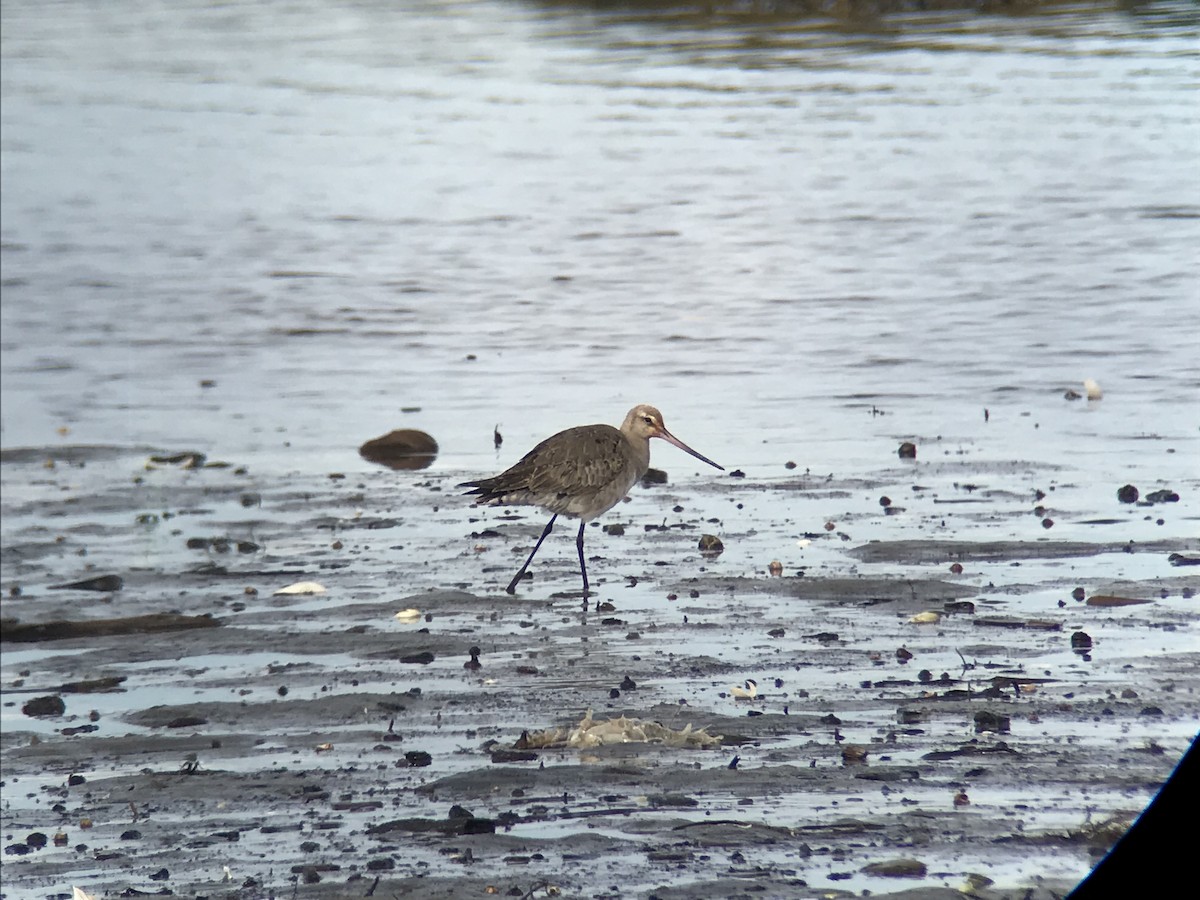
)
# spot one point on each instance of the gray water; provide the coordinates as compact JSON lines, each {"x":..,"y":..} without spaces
{"x":270,"y":232}
{"x":764,"y":225}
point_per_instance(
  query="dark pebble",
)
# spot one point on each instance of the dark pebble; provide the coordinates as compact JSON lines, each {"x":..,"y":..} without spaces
{"x":1078,"y":594}
{"x":424,"y":658}
{"x":187,"y":722}
{"x":131,"y":835}
{"x":45,"y":706}
{"x":104,"y":583}
{"x":37,"y":840}
{"x":1047,"y":523}
{"x":616,"y":528}
{"x":990,"y":721}
{"x":710,"y":545}
{"x":885,"y":502}
{"x":628,"y":684}
{"x":512,"y":756}
{"x":908,"y":450}
{"x":76,"y":780}
{"x":1081,"y":640}
{"x":1128,"y":494}
{"x":416,"y":759}
{"x":1162,"y":497}
{"x":654,"y":476}
{"x":404,"y":448}
{"x":160,"y":875}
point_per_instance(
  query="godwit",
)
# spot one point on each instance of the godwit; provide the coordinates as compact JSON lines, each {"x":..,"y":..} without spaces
{"x":581,"y":472}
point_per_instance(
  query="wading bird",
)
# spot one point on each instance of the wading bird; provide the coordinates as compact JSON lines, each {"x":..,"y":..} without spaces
{"x":582,"y":472}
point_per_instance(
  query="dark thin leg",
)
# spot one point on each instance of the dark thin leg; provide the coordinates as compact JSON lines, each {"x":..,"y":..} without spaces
{"x":582,"y":564}
{"x":512,"y":585}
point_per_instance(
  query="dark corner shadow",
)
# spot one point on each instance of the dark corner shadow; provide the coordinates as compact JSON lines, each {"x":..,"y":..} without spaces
{"x":1158,"y":851}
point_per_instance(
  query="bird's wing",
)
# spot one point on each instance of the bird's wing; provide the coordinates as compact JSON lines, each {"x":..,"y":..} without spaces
{"x":579,"y":461}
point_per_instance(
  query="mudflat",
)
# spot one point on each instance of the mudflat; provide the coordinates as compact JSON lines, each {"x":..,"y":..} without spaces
{"x":930,"y":713}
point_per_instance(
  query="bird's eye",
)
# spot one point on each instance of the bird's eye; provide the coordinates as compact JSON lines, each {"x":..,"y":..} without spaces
{"x":648,"y":420}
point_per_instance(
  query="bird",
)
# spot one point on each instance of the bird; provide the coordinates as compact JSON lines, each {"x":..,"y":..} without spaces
{"x":581,"y":472}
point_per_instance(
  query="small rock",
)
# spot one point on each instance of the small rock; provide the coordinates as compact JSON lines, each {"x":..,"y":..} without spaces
{"x":654,"y":476}
{"x":40,"y":707}
{"x":102,"y":583}
{"x":710,"y":545}
{"x":908,"y":450}
{"x":1081,"y":640}
{"x":187,"y":722}
{"x":404,"y":448}
{"x":775,"y":568}
{"x":1166,"y":496}
{"x":896,"y":868}
{"x":1128,"y":494}
{"x":990,"y":721}
{"x":854,"y":754}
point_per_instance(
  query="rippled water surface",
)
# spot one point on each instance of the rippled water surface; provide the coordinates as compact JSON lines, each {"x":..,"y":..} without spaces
{"x":269,"y":232}
{"x":538,"y":214}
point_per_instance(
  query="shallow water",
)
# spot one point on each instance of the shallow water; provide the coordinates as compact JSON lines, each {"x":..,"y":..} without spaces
{"x":767,"y":226}
{"x":265,"y":232}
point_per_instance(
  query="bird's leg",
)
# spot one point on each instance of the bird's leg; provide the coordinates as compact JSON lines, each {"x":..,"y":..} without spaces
{"x":582,"y":564}
{"x":512,"y":585}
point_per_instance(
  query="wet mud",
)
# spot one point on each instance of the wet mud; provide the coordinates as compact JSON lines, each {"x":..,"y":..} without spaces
{"x":925,"y":718}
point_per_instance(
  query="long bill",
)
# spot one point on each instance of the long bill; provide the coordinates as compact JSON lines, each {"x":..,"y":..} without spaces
{"x":671,"y":439}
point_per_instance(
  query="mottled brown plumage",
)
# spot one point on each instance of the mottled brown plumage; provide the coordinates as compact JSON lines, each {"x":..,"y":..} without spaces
{"x":582,"y":472}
